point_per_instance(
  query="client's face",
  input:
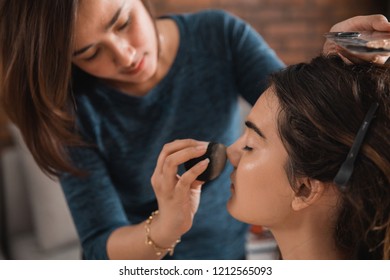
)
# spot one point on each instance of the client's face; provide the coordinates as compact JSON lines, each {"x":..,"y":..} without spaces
{"x":261,"y":193}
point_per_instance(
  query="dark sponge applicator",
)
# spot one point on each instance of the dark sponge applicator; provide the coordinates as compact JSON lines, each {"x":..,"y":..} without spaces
{"x":216,"y":152}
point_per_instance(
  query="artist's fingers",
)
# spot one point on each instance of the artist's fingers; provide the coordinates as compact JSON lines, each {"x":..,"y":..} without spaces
{"x":173,"y":147}
{"x":188,"y":179}
{"x":172,"y":161}
{"x":363,"y":23}
{"x":362,"y":57}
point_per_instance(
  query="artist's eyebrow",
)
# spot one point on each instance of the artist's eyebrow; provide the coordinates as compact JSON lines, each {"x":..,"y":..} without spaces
{"x":113,"y":20}
{"x":252,"y":126}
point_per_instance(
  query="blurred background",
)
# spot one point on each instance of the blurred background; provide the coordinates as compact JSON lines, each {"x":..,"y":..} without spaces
{"x":293,"y":28}
{"x":34,"y":219}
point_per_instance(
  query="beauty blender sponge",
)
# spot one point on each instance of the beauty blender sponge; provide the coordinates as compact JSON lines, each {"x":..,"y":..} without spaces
{"x":216,"y":152}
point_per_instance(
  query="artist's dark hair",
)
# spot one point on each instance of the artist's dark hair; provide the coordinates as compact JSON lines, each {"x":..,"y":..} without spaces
{"x":323,"y":104}
{"x":36,"y":40}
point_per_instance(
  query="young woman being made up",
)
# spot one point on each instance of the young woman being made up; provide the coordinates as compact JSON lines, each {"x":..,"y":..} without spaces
{"x":313,"y":164}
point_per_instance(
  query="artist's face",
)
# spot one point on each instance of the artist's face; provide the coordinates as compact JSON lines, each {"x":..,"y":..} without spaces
{"x":115,"y":40}
{"x":261,"y":193}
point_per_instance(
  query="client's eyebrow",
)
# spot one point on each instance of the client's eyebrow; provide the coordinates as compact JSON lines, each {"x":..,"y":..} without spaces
{"x":252,"y":126}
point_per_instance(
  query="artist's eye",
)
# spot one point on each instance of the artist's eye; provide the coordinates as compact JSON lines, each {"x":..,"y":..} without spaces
{"x":247,"y":148}
{"x":126,"y":24}
{"x":92,"y":57}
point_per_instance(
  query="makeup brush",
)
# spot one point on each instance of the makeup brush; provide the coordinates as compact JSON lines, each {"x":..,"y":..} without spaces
{"x":216,"y":152}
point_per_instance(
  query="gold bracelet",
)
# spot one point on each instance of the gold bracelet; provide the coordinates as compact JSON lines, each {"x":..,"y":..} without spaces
{"x":149,"y":241}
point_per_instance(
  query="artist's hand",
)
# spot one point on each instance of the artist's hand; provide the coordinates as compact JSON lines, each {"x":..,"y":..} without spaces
{"x":178,"y":196}
{"x":358,"y":23}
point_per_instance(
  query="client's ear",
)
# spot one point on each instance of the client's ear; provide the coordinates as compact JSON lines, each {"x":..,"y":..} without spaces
{"x":309,"y":192}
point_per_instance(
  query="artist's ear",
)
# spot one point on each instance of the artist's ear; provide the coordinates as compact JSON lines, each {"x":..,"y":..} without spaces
{"x":308,"y":193}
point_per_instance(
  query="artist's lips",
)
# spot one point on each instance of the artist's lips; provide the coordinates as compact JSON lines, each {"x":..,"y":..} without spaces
{"x":232,"y":179}
{"x":139,"y":65}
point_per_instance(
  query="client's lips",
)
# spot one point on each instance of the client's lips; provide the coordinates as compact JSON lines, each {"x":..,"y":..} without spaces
{"x":137,"y":68}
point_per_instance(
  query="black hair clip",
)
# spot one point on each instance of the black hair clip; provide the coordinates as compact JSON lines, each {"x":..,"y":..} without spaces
{"x":344,"y":174}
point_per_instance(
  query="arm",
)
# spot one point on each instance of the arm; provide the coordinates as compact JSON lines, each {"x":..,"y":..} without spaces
{"x":177,"y":198}
{"x":359,"y":23}
{"x":102,"y":224}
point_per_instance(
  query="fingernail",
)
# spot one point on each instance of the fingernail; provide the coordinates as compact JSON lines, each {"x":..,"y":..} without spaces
{"x":201,"y":147}
{"x":205,"y":162}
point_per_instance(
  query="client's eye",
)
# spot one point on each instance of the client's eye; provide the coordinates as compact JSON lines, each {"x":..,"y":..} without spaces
{"x":247,"y":148}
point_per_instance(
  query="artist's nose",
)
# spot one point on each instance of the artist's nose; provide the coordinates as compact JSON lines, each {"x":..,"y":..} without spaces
{"x":124,"y":53}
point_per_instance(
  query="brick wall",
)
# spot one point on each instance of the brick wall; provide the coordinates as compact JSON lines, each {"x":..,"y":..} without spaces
{"x":293,"y":28}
